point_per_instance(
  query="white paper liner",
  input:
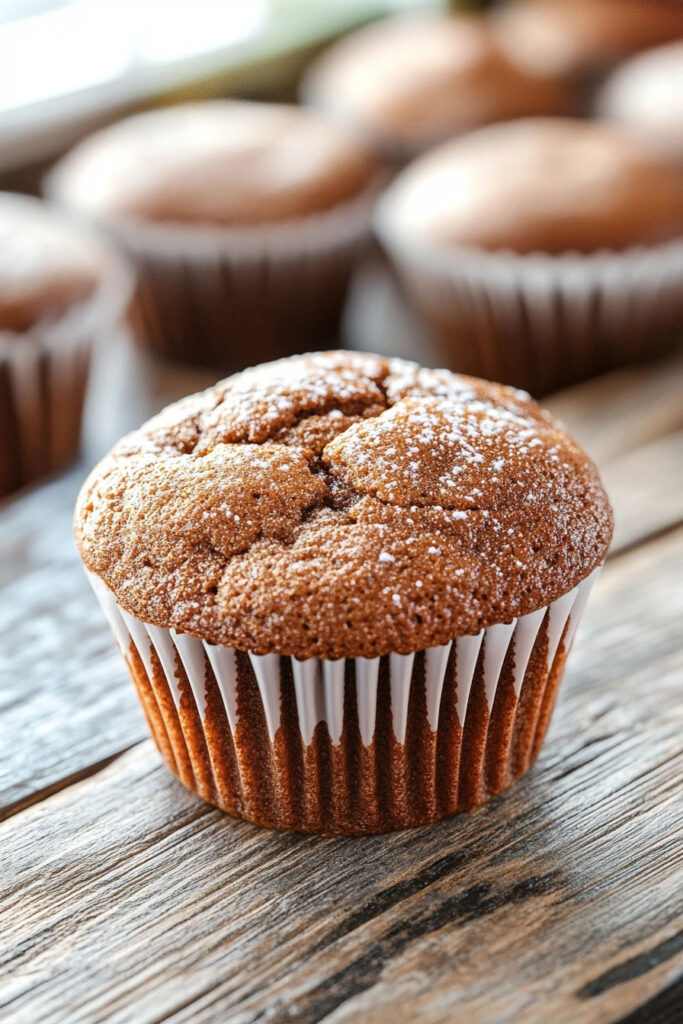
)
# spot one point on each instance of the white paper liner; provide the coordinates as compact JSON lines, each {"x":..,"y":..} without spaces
{"x":319,"y":684}
{"x":44,"y":373}
{"x":230,"y":297}
{"x":540,"y":321}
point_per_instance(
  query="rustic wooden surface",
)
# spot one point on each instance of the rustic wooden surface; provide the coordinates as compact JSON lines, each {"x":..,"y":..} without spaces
{"x":125,"y":899}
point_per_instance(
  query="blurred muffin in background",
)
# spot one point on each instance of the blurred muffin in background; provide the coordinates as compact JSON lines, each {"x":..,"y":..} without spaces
{"x":60,"y":288}
{"x":415,"y":80}
{"x":542,"y":251}
{"x":583,"y":38}
{"x":645,"y":97}
{"x":245,"y":220}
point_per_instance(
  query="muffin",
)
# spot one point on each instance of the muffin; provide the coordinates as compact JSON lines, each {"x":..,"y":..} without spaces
{"x":415,"y":80}
{"x":542,"y":251}
{"x":245,"y":220}
{"x":584,"y":38}
{"x":59,"y":289}
{"x":345,"y":587}
{"x":644,"y":96}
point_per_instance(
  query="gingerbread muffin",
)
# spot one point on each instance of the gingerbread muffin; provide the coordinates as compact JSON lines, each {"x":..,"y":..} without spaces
{"x":584,"y":38}
{"x":412,"y":81}
{"x":541,"y":251}
{"x":644,"y":96}
{"x":245,"y":220}
{"x":345,"y":587}
{"x":59,"y":289}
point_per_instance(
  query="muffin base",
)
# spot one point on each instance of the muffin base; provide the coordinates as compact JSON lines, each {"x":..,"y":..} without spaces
{"x":43,"y":381}
{"x":542,"y":322}
{"x":42,"y":391}
{"x":354,"y":746}
{"x":232,"y":297}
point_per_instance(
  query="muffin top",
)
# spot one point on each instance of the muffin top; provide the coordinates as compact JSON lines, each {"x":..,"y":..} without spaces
{"x":342,"y":505}
{"x":414,"y":80}
{"x":582,"y":36}
{"x":221,"y":162}
{"x":47,"y":265}
{"x":645,"y":96}
{"x":539,"y":185}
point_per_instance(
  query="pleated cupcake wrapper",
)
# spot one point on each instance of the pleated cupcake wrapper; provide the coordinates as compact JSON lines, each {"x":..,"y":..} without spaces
{"x":539,"y":321}
{"x":43,"y":380}
{"x":233,"y":297}
{"x":343,"y":746}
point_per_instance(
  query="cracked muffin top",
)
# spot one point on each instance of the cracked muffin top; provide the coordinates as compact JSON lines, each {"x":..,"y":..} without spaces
{"x":343,"y":505}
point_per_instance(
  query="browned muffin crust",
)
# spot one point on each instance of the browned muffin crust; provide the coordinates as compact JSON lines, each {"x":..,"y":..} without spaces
{"x":342,"y":505}
{"x":549,"y":185}
{"x":416,"y":79}
{"x":220,"y":163}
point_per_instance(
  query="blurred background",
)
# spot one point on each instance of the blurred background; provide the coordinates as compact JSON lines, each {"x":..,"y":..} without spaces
{"x":70,"y":67}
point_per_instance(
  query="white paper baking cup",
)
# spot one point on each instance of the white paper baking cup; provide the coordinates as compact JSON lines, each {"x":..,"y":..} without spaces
{"x":231,"y":297}
{"x":43,"y":380}
{"x":353,"y":745}
{"x":540,"y":321}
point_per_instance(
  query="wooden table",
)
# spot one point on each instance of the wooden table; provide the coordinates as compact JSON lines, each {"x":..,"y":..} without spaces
{"x":125,"y":899}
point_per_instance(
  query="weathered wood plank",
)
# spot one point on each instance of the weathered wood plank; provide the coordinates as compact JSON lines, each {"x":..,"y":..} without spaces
{"x":612,"y":415}
{"x":645,"y":486}
{"x":646,"y":489}
{"x":561,"y":901}
{"x":65,"y":700}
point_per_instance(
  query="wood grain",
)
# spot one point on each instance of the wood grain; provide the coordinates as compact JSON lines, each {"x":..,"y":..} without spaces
{"x":65,"y":700}
{"x":645,"y":486}
{"x":130,"y":900}
{"x":614,"y":414}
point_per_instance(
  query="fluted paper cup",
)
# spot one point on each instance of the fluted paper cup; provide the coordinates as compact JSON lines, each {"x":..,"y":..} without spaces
{"x":540,"y":321}
{"x":356,"y":745}
{"x":43,"y":380}
{"x":232,"y":297}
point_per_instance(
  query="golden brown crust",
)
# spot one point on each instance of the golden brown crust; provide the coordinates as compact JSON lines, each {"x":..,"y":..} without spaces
{"x":415,"y":80}
{"x":549,"y":185}
{"x":46,"y":264}
{"x":221,"y":163}
{"x":342,"y":505}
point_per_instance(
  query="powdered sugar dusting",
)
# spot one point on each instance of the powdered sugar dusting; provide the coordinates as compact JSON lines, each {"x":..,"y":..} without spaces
{"x":257,"y":403}
{"x":340,"y":505}
{"x":435,"y":450}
